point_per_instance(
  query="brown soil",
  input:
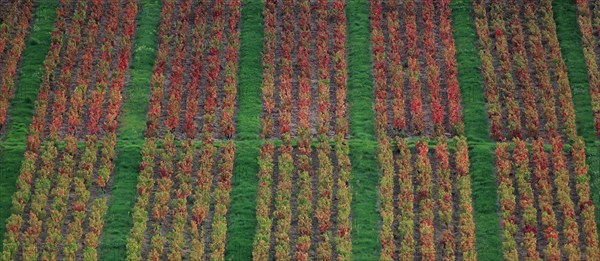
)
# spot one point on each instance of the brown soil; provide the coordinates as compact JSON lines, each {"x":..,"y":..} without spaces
{"x":334,"y":202}
{"x":273,"y":197}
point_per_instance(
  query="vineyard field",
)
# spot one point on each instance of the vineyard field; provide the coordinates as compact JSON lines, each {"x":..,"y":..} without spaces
{"x":61,"y":198}
{"x":560,"y":223}
{"x":299,"y":130}
{"x":527,"y":88}
{"x":426,"y":204}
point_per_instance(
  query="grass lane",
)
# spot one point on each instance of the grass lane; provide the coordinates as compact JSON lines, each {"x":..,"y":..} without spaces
{"x":130,"y":136}
{"x":569,"y":37}
{"x":481,"y":147}
{"x":364,"y":184}
{"x":21,"y":108}
{"x":360,"y":82}
{"x":363,"y":147}
{"x":250,"y":71}
{"x":242,"y":211}
{"x":485,"y":202}
{"x":469,"y":74}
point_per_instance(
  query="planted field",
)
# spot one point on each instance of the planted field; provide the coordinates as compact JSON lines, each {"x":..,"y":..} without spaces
{"x":414,"y":69}
{"x":545,"y":202}
{"x":589,"y":20}
{"x":424,"y":196}
{"x":193,"y":88}
{"x":303,"y":203}
{"x":304,"y":70}
{"x":14,"y":28}
{"x":183,"y":191}
{"x":80,"y":93}
{"x":299,"y":130}
{"x":58,"y":209}
{"x":527,"y":90}
{"x":425,"y":202}
{"x":183,"y":196}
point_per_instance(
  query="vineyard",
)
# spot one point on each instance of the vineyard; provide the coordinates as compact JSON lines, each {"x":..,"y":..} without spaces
{"x":420,"y":191}
{"x":183,"y":191}
{"x":13,"y":30}
{"x":589,"y":20}
{"x":552,"y":174}
{"x":303,"y":201}
{"x":527,"y":89}
{"x":61,"y":198}
{"x":299,"y":130}
{"x":402,"y":106}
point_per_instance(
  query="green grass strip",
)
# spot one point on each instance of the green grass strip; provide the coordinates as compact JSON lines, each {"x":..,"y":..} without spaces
{"x":363,"y":148}
{"x":569,"y":36}
{"x":481,"y":148}
{"x":10,"y":160}
{"x":364,"y":185}
{"x":131,"y":134}
{"x":30,"y":72}
{"x":250,"y":71}
{"x":360,"y":82}
{"x":118,"y":221}
{"x":21,"y":109}
{"x":485,"y":202}
{"x":469,"y":74}
{"x":242,"y":211}
{"x":593,"y":161}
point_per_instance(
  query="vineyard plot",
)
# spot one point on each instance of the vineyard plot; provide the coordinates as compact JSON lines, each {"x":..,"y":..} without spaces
{"x":183,"y":191}
{"x":424,"y":196}
{"x":58,"y":209}
{"x":304,"y":69}
{"x":183,"y":196}
{"x":425,"y":202}
{"x":527,"y":89}
{"x":84,"y":72}
{"x":589,"y":25}
{"x":545,"y":203}
{"x":415,"y":71}
{"x":14,"y":27}
{"x":194,"y":82}
{"x":304,"y":203}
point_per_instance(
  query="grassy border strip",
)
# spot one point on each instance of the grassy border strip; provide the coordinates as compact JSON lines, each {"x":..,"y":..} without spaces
{"x":360,"y":81}
{"x":481,"y":147}
{"x":485,"y":202}
{"x":250,"y":71}
{"x":569,"y":37}
{"x":242,"y":211}
{"x":241,"y":219}
{"x":130,"y":138}
{"x":21,"y":109}
{"x":469,"y":74}
{"x":365,"y":187}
